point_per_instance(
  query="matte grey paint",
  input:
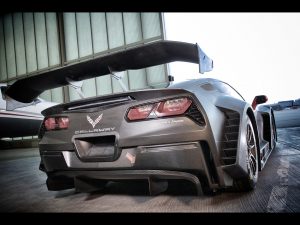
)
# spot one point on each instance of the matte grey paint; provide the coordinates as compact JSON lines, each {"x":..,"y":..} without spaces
{"x":134,"y":136}
{"x":60,"y":157}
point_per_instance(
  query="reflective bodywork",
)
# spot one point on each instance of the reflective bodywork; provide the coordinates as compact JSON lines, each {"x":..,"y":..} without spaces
{"x":201,"y":131}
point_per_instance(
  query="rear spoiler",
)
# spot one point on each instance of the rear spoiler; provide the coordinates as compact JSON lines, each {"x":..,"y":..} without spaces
{"x":152,"y":54}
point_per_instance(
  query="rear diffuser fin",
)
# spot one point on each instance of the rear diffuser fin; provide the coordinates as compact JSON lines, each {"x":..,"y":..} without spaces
{"x":157,"y":186}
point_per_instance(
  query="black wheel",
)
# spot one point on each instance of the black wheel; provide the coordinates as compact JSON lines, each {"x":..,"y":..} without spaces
{"x":249,"y":182}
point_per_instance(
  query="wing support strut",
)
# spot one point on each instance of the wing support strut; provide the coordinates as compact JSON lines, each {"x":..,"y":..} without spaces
{"x":118,"y":76}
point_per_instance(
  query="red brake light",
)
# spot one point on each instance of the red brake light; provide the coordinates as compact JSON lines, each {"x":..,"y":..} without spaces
{"x":63,"y":122}
{"x":50,"y":123}
{"x":171,"y":107}
{"x":56,"y":123}
{"x":140,"y":112}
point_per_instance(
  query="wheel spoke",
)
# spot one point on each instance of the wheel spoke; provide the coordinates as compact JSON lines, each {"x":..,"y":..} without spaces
{"x":251,"y":146}
{"x":252,"y":155}
{"x":252,"y":149}
{"x":254,"y":164}
{"x":248,"y":135}
{"x":251,"y":167}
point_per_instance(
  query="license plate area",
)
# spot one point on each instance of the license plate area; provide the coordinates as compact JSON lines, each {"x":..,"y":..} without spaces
{"x":96,"y":149}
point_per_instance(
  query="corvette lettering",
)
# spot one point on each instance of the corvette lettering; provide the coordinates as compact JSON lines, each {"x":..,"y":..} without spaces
{"x":108,"y":129}
{"x":172,"y":121}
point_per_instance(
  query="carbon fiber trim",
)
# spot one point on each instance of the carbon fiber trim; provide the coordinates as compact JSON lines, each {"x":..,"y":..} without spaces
{"x":134,"y":174}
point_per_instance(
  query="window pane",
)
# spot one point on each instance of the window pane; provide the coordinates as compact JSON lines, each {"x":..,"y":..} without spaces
{"x":70,"y":36}
{"x":52,"y":38}
{"x":46,"y":95}
{"x":84,"y":34}
{"x":104,"y":85}
{"x":30,"y":42}
{"x":57,"y":95}
{"x":41,"y":41}
{"x":151,"y":25}
{"x":73,"y":94}
{"x":19,"y":43}
{"x":132,"y":25}
{"x":3,"y":74}
{"x":99,"y":32}
{"x":156,"y":74}
{"x":9,"y":46}
{"x":115,"y":29}
{"x":89,"y":88}
{"x":137,"y":79}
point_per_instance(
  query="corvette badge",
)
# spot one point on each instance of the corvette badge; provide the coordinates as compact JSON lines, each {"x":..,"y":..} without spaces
{"x":94,"y":123}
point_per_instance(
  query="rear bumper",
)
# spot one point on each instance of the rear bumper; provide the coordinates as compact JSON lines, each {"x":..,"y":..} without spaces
{"x":171,"y":161}
{"x":151,"y":175}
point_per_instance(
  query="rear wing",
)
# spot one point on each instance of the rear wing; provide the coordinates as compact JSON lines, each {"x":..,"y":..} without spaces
{"x":152,"y":54}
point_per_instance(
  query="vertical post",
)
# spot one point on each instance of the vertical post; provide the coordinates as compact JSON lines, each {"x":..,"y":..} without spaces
{"x":62,"y":50}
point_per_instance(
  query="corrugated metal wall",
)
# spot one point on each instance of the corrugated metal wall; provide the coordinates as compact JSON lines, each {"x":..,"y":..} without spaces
{"x":34,"y":42}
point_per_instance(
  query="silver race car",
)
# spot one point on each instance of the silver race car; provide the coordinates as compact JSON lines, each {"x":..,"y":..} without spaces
{"x":201,"y":131}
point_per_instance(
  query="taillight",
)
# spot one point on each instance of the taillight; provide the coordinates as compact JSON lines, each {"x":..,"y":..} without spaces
{"x":50,"y":123}
{"x":140,"y":112}
{"x":63,"y":122}
{"x":171,"y":107}
{"x":56,"y":123}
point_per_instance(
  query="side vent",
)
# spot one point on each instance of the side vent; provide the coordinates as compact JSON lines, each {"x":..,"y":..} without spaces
{"x":195,"y":114}
{"x":230,"y":138}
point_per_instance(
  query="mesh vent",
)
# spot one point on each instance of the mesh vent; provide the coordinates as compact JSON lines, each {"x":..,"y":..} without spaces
{"x":195,"y":114}
{"x":230,"y":137}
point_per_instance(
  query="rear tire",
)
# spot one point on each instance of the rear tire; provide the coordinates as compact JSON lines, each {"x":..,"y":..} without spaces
{"x":249,"y":182}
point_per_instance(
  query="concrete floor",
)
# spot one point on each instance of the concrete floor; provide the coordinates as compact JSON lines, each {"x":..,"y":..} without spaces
{"x":23,"y":189}
{"x":287,"y":118}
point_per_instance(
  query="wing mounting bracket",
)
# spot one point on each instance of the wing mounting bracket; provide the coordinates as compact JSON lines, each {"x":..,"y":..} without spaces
{"x":77,"y":85}
{"x":118,"y":76}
